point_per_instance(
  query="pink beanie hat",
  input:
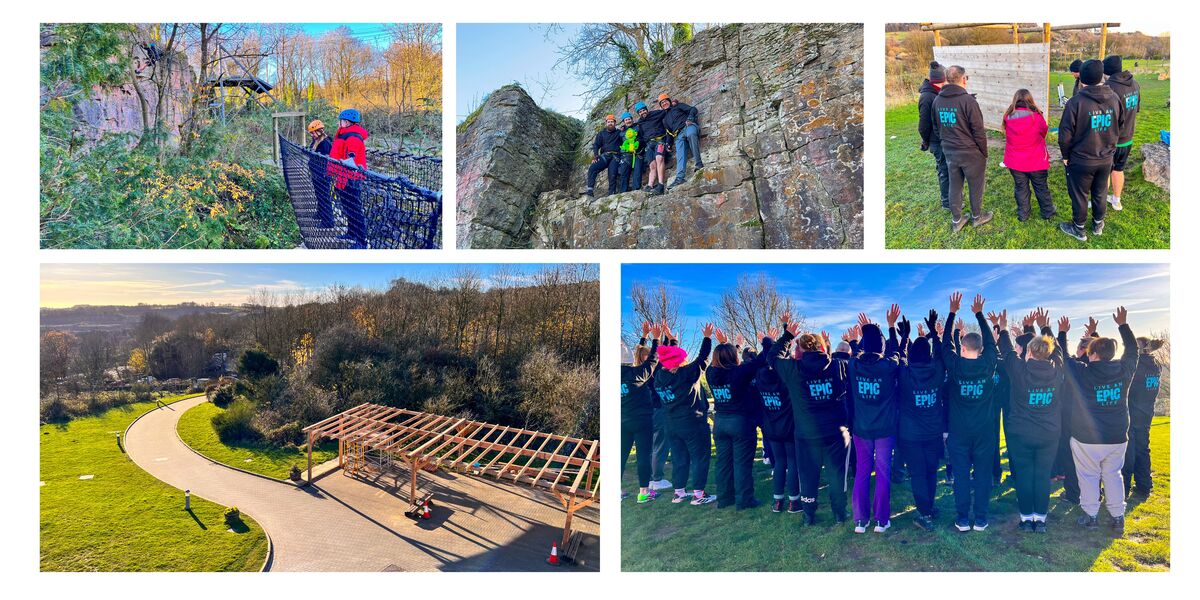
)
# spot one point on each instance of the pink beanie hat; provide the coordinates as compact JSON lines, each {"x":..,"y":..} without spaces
{"x":671,"y":356}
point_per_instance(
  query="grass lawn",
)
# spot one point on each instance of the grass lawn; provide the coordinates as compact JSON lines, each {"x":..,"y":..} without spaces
{"x":661,"y":536}
{"x":196,"y":430}
{"x":123,"y":519}
{"x":915,"y":218}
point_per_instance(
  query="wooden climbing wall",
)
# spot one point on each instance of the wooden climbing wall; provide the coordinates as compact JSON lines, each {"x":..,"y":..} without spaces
{"x":996,"y":71}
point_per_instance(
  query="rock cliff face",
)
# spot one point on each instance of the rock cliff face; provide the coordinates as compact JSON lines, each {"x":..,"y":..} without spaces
{"x":781,"y":137}
{"x":1156,"y":166}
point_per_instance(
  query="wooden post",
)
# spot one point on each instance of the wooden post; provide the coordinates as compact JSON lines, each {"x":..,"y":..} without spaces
{"x":310,"y":441}
{"x":1049,"y":79}
{"x":412,"y":484}
{"x":567,"y":522}
{"x":1103,"y":39}
{"x":275,"y":142}
{"x":1016,"y":36}
{"x":937,"y":37}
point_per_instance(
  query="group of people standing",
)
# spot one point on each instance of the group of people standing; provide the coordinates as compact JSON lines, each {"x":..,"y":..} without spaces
{"x":897,"y":402}
{"x":627,"y":147}
{"x":1095,"y":136}
{"x":347,"y":146}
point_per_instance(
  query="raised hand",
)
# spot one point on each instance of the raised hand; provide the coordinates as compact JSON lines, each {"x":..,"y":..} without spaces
{"x":940,"y":328}
{"x":893,"y":313}
{"x":1042,"y":316}
{"x":977,"y":304}
{"x":920,"y":330}
{"x":1121,"y":316}
{"x":773,"y":332}
{"x":960,"y":326}
{"x":825,"y":338}
{"x":955,"y":301}
{"x":1003,"y":320}
{"x":904,"y":327}
{"x":786,"y":317}
{"x":645,"y":328}
{"x":708,"y":330}
{"x":1027,"y":320}
{"x":863,"y":319}
{"x":667,"y":330}
{"x":794,"y":329}
{"x":1016,"y":331}
{"x":1090,"y":329}
{"x":721,"y":337}
{"x":993,"y":318}
{"x":1064,"y":324}
{"x":741,"y":341}
{"x":656,"y":330}
{"x":931,"y":320}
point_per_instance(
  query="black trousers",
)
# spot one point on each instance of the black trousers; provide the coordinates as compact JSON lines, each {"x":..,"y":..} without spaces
{"x":785,"y":477}
{"x":811,"y":455}
{"x":352,"y":206}
{"x":629,"y":172}
{"x":639,"y":432}
{"x":1088,"y":184}
{"x":922,"y":457}
{"x":943,"y":172}
{"x":736,"y":442}
{"x":691,"y":451}
{"x":662,"y":446}
{"x":1033,"y":461}
{"x":969,"y":168}
{"x":1039,"y":181}
{"x":1137,"y":461}
{"x":972,"y":459}
{"x":607,"y":162}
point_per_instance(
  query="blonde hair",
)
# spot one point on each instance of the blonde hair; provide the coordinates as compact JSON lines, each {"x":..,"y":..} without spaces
{"x":640,"y":354}
{"x":811,"y":342}
{"x":1041,"y":347}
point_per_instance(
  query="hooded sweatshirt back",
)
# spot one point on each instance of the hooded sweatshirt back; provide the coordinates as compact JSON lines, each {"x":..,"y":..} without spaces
{"x":1129,"y":92}
{"x":1143,"y":392}
{"x":680,"y":392}
{"x":972,"y":382}
{"x":816,"y":385}
{"x":927,"y":124}
{"x":1101,"y":414}
{"x":871,"y":384}
{"x":960,"y":121}
{"x":733,"y":387}
{"x":637,"y":392}
{"x":1037,"y":395}
{"x":922,"y":409}
{"x":1089,"y":130}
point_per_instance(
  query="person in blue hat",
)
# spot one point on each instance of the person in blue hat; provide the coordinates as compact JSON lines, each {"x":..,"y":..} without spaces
{"x":632,"y":155}
{"x":349,"y":147}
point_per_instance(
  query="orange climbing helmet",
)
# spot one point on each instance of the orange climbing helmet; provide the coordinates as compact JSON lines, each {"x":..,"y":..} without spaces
{"x":663,"y":96}
{"x":315,"y":125}
{"x":608,"y":118}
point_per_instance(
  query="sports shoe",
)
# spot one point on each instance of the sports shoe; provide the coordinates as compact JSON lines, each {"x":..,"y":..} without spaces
{"x":680,"y":496}
{"x":962,"y":524}
{"x":980,"y":524}
{"x":1026,"y":526}
{"x":1039,"y":527}
{"x":1087,"y":521}
{"x":924,"y":522}
{"x":1118,"y":524}
{"x":661,"y":484}
{"x":809,"y":519}
{"x":777,"y":506}
{"x":698,"y":166}
{"x":1073,"y":231}
{"x":957,"y":226}
{"x":860,"y":526}
{"x":982,"y":218}
{"x":675,"y":184}
{"x":1114,"y":202}
{"x":882,"y":527}
{"x":648,"y":496}
{"x":839,"y":517}
{"x":624,"y":495}
{"x":589,"y":193}
{"x":705,"y":499}
{"x":794,"y":506}
{"x":766,"y":462}
{"x":1097,"y":227}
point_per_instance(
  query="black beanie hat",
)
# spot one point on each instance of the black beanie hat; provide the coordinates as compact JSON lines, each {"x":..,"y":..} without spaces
{"x":1075,"y":65}
{"x":872,"y":339}
{"x":920,"y":353}
{"x":937,"y":73}
{"x":1091,"y":73}
{"x":1112,"y":65}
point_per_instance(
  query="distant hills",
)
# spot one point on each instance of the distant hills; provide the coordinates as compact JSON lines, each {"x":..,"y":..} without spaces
{"x":84,"y":318}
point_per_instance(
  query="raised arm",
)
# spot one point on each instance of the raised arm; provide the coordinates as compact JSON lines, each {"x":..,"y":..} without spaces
{"x":1129,"y":352}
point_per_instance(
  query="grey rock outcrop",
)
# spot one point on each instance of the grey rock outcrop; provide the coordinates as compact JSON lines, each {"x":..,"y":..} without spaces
{"x":1156,"y":164}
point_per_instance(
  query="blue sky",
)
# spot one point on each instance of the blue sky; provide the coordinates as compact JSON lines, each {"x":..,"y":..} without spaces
{"x":127,"y":284}
{"x":495,"y":54}
{"x":831,"y":295}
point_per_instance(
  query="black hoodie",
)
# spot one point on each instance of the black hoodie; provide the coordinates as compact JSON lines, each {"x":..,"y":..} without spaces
{"x":960,"y":122}
{"x":677,"y":117}
{"x":733,"y":388}
{"x":1101,"y":414}
{"x":608,"y":142}
{"x":816,"y":385}
{"x":871,"y":384}
{"x":922,"y":409}
{"x":637,"y":393}
{"x":1144,"y":391}
{"x":972,"y":381}
{"x":1130,"y":94}
{"x":1038,"y":393}
{"x":680,"y":392}
{"x":1089,"y":129}
{"x":651,"y":125}
{"x":926,"y":125}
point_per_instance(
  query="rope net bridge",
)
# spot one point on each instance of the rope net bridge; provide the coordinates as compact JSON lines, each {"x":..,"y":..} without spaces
{"x":371,"y":437}
{"x":396,"y":202}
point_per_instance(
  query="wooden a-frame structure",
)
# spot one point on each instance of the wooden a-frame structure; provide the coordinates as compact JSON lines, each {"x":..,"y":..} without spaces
{"x":568,"y":467}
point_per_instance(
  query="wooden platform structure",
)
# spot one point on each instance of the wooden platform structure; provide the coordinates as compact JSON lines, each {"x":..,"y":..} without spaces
{"x":567,"y":467}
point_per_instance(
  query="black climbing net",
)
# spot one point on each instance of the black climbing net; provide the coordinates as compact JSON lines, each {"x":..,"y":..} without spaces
{"x":395,"y":203}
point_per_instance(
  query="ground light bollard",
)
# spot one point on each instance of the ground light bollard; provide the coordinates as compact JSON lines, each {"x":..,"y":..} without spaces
{"x":187,"y":500}
{"x":119,"y":446}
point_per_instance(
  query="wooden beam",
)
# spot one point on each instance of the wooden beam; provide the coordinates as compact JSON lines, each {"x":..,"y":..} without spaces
{"x":945,"y":26}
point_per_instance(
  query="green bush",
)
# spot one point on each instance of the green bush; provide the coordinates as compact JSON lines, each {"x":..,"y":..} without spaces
{"x":222,"y":396}
{"x":54,"y":410}
{"x":286,"y":434}
{"x":256,"y":364}
{"x":236,"y":423}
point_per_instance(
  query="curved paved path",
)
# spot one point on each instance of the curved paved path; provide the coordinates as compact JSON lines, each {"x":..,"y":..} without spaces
{"x":346,"y":524}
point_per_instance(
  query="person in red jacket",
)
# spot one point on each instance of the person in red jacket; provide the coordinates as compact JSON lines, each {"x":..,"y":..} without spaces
{"x":349,"y":147}
{"x":351,"y":138}
{"x":1025,"y":154}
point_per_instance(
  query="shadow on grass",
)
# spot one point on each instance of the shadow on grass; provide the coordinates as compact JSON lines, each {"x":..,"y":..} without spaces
{"x":196,"y":519}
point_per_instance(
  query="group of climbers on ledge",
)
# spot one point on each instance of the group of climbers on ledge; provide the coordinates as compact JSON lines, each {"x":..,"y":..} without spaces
{"x":625,"y":150}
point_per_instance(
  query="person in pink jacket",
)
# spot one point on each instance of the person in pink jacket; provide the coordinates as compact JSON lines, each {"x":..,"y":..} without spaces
{"x":1025,"y":154}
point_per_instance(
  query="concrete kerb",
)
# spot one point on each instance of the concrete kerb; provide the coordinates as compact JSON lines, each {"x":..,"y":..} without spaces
{"x":266,"y":566}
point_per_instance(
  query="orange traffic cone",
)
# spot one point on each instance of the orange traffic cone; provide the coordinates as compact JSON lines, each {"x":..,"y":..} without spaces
{"x":425,"y":511}
{"x":553,"y":560}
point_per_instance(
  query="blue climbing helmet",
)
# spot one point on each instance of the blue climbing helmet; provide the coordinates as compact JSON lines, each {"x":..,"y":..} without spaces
{"x":626,"y":115}
{"x":640,"y":106}
{"x":351,"y":115}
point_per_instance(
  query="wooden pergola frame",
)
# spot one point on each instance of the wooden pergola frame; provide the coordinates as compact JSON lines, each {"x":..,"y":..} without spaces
{"x":567,"y":467}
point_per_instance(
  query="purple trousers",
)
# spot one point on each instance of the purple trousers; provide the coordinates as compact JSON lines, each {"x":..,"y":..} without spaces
{"x":873,"y":455}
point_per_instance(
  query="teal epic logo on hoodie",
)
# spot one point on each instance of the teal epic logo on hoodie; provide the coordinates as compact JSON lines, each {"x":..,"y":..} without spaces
{"x":948,"y":116}
{"x":1102,"y":120}
{"x":667,"y":395}
{"x":722,"y":394}
{"x":771,"y":401}
{"x":1041,"y":396}
{"x":1109,"y":394}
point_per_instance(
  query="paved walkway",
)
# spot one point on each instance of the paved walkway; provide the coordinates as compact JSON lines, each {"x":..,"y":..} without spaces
{"x":347,"y":524}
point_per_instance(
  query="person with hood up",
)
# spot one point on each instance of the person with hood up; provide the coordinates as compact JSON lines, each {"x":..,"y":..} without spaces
{"x":1076,"y":65}
{"x":778,"y":429}
{"x":1087,"y":136}
{"x":964,"y":140}
{"x":1100,"y":423}
{"x":871,"y":383}
{"x":922,"y":424}
{"x":1033,"y":417}
{"x":350,"y":147}
{"x":971,"y":441}
{"x":637,"y":409}
{"x":1025,"y":154}
{"x":1143,"y":393}
{"x":683,"y":124}
{"x":928,"y":127}
{"x":678,"y":387}
{"x":1129,"y":92}
{"x":816,"y":385}
{"x":606,"y":156}
{"x":735,"y":402}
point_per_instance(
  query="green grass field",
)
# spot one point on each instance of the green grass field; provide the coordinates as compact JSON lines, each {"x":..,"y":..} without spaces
{"x":915,"y":218}
{"x":196,"y":430}
{"x":123,"y":519}
{"x":661,"y":536}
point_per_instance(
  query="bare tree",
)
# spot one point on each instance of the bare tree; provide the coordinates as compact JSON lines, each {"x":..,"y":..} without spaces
{"x":753,"y":305}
